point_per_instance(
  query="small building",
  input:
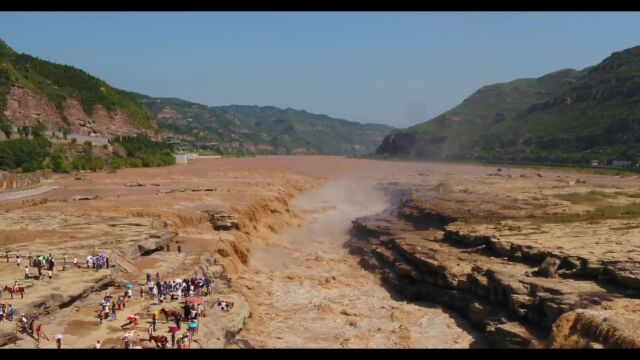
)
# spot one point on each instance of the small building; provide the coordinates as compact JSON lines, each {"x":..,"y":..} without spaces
{"x":621,"y":163}
{"x":173,"y":141}
{"x":595,"y":162}
{"x":181,"y":159}
{"x":191,"y":156}
{"x":207,"y":145}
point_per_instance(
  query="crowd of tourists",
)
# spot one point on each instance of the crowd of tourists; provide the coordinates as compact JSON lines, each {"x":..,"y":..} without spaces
{"x":189,"y":292}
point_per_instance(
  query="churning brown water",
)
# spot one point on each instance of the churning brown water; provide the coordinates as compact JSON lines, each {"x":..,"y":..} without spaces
{"x":306,"y":290}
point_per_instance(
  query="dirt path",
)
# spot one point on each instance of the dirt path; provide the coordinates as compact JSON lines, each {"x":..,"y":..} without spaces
{"x":306,"y":290}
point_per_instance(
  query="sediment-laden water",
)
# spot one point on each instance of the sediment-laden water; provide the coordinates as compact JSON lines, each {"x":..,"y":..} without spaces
{"x":306,"y":290}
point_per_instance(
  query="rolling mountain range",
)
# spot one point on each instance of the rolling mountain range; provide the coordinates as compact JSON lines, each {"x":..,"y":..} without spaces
{"x":567,"y":116}
{"x":66,"y":98}
{"x":265,"y":129}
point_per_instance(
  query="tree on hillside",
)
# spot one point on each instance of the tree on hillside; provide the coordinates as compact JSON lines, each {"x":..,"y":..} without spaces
{"x":5,"y":127}
{"x":87,"y":148}
{"x":38,"y":129}
{"x":24,"y":131}
{"x":58,"y":162}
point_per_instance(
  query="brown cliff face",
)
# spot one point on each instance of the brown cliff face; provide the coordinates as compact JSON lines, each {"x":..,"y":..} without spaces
{"x":24,"y":108}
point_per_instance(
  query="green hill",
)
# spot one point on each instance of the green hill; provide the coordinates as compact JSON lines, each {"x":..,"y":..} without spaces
{"x":266,"y":129}
{"x":61,"y":82}
{"x":567,"y":116}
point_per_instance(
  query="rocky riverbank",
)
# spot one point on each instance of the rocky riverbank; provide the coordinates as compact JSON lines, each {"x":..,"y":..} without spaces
{"x":140,"y":228}
{"x":529,"y":257}
{"x":506,"y":261}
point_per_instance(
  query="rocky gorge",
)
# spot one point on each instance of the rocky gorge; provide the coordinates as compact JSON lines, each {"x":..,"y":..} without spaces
{"x":507,"y":263}
{"x":335,"y":252}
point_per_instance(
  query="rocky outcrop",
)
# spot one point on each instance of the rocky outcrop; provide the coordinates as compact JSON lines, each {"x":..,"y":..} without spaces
{"x":222,"y":221}
{"x":171,"y":191}
{"x":48,"y":298}
{"x":83,"y":197}
{"x":514,"y":293}
{"x":25,"y":108}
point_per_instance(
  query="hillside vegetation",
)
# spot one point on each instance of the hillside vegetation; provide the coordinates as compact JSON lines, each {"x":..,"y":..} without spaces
{"x":265,"y":129}
{"x":567,"y":116}
{"x":61,"y":82}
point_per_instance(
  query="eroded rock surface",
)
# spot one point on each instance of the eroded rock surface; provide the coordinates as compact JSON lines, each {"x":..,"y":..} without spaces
{"x":514,"y":274}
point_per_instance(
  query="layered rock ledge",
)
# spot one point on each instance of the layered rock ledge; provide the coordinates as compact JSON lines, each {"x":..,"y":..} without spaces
{"x":527,"y":272}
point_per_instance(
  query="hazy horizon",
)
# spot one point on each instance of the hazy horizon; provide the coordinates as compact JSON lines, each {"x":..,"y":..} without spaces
{"x":372,"y":67}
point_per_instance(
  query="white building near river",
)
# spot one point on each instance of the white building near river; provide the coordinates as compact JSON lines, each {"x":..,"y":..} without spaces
{"x":181,"y":159}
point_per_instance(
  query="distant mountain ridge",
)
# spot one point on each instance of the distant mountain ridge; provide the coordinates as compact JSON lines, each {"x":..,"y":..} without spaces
{"x":567,"y":116}
{"x":265,"y":129}
{"x":66,"y":98}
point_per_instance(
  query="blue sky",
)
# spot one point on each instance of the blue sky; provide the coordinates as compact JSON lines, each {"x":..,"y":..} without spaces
{"x":382,"y":67}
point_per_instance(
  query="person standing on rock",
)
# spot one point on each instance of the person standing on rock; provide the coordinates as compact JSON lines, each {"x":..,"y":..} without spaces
{"x":113,"y":310}
{"x":97,"y":346}
{"x":7,"y":255}
{"x":30,"y":258}
{"x":40,"y":333}
{"x":30,"y":325}
{"x":26,"y":272}
{"x":179,"y":249}
{"x":75,"y":261}
{"x":178,"y":319}
{"x":141,"y":292}
{"x":107,"y":262}
{"x":65,"y":259}
{"x":186,"y":309}
{"x":154,"y":320}
{"x":18,"y":261}
{"x":59,"y":343}
{"x":50,"y":274}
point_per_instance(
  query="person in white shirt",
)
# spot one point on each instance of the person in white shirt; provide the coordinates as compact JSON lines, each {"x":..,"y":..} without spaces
{"x":26,"y":272}
{"x":18,"y":259}
{"x":75,"y":261}
{"x":97,"y":344}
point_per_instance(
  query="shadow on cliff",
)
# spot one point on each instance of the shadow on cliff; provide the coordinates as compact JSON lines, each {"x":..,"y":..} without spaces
{"x":357,"y":247}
